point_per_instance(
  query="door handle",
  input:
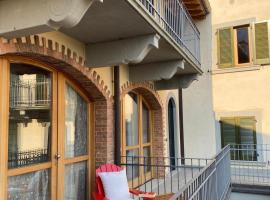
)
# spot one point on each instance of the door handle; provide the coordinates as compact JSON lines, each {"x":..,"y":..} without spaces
{"x":57,"y":156}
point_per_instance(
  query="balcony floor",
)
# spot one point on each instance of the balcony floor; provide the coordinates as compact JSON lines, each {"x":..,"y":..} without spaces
{"x":243,"y":196}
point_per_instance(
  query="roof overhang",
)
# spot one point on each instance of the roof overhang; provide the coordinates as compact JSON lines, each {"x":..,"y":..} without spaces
{"x":198,"y":9}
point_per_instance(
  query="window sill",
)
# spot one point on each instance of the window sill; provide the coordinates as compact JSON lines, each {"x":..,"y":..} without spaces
{"x":236,"y":69}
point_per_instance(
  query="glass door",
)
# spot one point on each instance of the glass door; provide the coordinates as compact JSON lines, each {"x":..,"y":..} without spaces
{"x":73,"y":143}
{"x":137,"y":139}
{"x":48,"y":136}
{"x":30,"y":165}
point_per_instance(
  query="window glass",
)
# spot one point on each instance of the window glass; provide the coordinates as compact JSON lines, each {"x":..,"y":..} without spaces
{"x":75,"y":124}
{"x":131,"y":119}
{"x":30,"y":116}
{"x":243,"y":45}
{"x":145,"y":123}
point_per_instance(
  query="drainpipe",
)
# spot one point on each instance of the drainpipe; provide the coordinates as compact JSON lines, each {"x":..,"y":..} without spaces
{"x":117,"y":116}
{"x":181,"y":124}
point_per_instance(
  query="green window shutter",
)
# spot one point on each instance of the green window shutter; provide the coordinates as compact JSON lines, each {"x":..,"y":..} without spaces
{"x":261,"y":45}
{"x":247,"y":135}
{"x":247,"y":130}
{"x":225,"y":47}
{"x":228,"y":131}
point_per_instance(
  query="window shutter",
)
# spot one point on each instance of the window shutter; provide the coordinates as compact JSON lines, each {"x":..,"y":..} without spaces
{"x":225,"y":47}
{"x":228,"y":131}
{"x":261,"y":40}
{"x":247,"y":130}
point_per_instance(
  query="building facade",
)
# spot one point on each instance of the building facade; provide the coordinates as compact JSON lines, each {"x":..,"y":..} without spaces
{"x":240,"y":72}
{"x":85,"y":83}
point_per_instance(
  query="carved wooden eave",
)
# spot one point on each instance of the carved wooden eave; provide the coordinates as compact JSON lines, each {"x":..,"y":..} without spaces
{"x":198,"y":9}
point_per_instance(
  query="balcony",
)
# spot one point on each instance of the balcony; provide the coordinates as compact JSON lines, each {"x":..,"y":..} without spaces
{"x":237,"y":168}
{"x":185,"y":179}
{"x":173,"y":18}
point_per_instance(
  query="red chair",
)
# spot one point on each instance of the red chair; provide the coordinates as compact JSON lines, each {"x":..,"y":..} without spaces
{"x":100,"y":194}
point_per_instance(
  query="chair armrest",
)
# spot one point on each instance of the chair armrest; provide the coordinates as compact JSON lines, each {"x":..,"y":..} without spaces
{"x":98,"y":196}
{"x":142,"y":194}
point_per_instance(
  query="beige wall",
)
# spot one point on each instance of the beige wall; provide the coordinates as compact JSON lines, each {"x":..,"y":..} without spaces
{"x":242,"y":91}
{"x":199,"y":128}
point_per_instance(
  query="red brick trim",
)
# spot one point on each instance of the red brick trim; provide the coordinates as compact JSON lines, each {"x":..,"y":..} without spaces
{"x":66,"y":61}
{"x":60,"y":58}
{"x":146,"y":89}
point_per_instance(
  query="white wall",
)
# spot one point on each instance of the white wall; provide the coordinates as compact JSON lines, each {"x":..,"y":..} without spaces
{"x":199,"y":122}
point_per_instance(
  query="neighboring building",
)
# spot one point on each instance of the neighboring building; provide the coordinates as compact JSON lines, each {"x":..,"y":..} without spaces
{"x":85,"y":83}
{"x":240,"y":72}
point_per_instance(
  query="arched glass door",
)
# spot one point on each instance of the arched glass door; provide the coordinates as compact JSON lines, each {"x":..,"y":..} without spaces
{"x":48,"y":136}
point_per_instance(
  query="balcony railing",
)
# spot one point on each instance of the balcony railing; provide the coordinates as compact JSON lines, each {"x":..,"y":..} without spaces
{"x":24,"y":158}
{"x":181,"y":178}
{"x":250,"y":164}
{"x":213,"y":182}
{"x":173,"y":17}
{"x":30,"y":94}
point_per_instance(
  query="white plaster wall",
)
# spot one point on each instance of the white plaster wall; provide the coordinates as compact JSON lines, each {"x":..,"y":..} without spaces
{"x":242,"y":92}
{"x":199,"y":121}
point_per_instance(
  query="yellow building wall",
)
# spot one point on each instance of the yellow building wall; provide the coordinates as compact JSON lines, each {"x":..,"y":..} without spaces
{"x":243,"y":91}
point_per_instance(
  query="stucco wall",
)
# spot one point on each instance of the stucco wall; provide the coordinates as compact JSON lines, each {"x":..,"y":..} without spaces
{"x":243,"y":92}
{"x":199,"y":129}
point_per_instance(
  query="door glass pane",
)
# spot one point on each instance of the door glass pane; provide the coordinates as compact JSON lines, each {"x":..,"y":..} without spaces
{"x":75,"y":124}
{"x":30,"y":116}
{"x":243,"y":45}
{"x":146,"y":124}
{"x":132,"y":161}
{"x":75,"y":181}
{"x":35,"y":185}
{"x":147,"y":159}
{"x":131,"y":119}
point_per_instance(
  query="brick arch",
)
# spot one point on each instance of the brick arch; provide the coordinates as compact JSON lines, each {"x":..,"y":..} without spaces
{"x":50,"y":53}
{"x":146,"y":89}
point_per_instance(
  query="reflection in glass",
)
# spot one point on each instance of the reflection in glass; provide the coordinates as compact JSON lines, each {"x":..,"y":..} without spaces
{"x":75,"y":124}
{"x":132,"y":170}
{"x":75,"y":181}
{"x":34,"y":186}
{"x":30,"y":116}
{"x":147,"y":159}
{"x":243,"y":45}
{"x":146,"y":126}
{"x":131,"y":119}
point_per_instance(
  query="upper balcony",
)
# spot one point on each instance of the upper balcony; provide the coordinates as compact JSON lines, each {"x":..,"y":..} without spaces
{"x":150,"y":34}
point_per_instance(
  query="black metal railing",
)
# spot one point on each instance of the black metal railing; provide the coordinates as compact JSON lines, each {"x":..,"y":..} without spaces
{"x":24,"y":158}
{"x":159,"y":175}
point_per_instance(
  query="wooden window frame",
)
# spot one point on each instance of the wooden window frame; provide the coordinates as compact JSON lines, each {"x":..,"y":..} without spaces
{"x":141,"y":145}
{"x":59,"y":80}
{"x":235,"y":46}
